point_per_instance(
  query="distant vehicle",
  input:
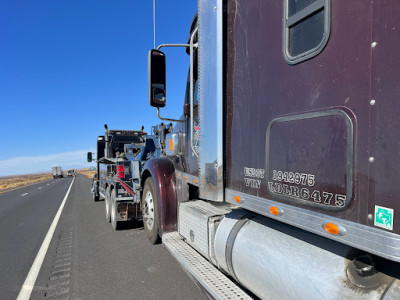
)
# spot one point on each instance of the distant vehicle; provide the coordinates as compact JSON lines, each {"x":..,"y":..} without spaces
{"x":57,"y":172}
{"x":71,"y":172}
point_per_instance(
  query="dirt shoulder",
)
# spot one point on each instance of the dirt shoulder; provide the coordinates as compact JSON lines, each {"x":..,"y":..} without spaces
{"x":9,"y":182}
{"x":88,"y":173}
{"x":15,"y":181}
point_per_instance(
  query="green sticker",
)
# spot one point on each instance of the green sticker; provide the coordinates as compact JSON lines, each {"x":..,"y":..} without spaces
{"x":383,"y":217}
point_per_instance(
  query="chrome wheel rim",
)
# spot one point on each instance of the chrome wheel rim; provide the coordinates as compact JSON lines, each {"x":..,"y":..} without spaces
{"x":107,"y":208}
{"x":112,"y":213}
{"x":148,"y":210}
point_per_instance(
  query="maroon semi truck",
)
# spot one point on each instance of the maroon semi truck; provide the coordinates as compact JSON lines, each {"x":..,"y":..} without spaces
{"x":282,"y":174}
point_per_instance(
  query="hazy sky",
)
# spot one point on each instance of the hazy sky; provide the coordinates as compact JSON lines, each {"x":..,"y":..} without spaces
{"x":67,"y":67}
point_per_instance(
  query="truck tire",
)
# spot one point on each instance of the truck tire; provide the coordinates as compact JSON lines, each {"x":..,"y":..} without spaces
{"x":116,"y":225}
{"x":95,"y":197}
{"x":150,"y":211}
{"x":107,"y":205}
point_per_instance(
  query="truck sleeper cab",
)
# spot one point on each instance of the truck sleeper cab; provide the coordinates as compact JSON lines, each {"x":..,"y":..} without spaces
{"x":297,"y":164}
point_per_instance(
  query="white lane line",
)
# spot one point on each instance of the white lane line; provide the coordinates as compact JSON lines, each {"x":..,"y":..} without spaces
{"x":48,"y":184}
{"x":39,"y":187}
{"x":24,"y":194}
{"x":30,"y":280}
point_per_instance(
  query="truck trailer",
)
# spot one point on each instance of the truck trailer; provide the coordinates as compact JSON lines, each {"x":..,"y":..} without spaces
{"x":57,"y":172}
{"x":280,"y":179}
{"x":121,"y":155}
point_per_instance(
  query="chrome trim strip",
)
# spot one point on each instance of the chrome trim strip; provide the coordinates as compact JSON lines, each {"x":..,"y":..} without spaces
{"x":373,"y":240}
{"x":210,"y":22}
{"x":192,"y":46}
{"x":124,"y":199}
{"x":191,"y":179}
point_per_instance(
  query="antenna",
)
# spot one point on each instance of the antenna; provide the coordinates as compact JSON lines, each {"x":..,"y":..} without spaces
{"x":154,"y":22}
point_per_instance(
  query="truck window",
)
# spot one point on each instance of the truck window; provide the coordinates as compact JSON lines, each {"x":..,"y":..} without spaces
{"x":306,"y":28}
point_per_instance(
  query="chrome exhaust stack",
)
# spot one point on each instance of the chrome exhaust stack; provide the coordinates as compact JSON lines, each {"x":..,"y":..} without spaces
{"x":107,"y":148}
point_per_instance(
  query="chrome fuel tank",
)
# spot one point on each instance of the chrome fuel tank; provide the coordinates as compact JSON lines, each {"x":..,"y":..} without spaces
{"x":278,"y":261}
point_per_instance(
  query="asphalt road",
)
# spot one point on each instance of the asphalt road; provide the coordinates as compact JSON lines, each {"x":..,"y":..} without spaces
{"x":86,"y":258}
{"x":25,"y":217}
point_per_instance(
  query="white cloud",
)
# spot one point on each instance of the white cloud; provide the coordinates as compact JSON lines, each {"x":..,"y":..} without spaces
{"x":43,"y":163}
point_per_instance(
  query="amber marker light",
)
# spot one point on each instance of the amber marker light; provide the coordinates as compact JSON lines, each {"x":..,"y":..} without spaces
{"x":274,"y":210}
{"x":195,"y":181}
{"x":171,"y":145}
{"x":332,"y":228}
{"x":184,"y":177}
{"x":237,"y":199}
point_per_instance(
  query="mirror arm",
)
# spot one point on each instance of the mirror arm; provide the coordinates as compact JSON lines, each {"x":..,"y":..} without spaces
{"x":158,"y":109}
{"x":172,"y":45}
{"x":170,"y":120}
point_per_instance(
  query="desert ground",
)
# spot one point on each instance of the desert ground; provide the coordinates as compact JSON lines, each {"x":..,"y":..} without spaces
{"x":14,"y":181}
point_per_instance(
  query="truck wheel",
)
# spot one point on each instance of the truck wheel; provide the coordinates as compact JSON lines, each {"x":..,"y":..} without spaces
{"x":95,"y":197}
{"x":116,"y":225}
{"x":150,"y":211}
{"x":107,"y":205}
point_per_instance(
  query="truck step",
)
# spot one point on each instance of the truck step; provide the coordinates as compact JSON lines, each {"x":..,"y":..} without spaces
{"x":213,"y":281}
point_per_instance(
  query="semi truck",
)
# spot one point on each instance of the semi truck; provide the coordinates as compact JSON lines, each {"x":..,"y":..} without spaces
{"x":121,"y":155}
{"x":280,"y":179}
{"x":57,"y":172}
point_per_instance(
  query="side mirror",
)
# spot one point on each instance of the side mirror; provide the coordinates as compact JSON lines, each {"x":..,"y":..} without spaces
{"x":89,"y":157}
{"x":157,"y":79}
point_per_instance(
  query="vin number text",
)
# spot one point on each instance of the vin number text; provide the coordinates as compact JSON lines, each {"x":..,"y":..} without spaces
{"x":297,"y":185}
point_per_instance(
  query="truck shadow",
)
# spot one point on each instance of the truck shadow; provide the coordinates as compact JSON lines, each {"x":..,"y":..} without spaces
{"x":133,"y":224}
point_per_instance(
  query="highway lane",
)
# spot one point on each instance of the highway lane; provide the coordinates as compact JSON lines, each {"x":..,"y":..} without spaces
{"x":25,"y":217}
{"x":87,"y":259}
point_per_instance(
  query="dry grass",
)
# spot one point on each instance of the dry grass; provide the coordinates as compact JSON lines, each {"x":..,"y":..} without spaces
{"x":22,"y":180}
{"x":8,"y":182}
{"x":86,"y":172}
